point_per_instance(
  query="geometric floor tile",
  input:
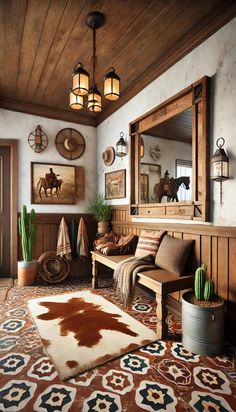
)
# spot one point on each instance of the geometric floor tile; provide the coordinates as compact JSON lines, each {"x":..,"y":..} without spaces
{"x":12,"y":325}
{"x":211,"y":379}
{"x":13,"y":363}
{"x":18,"y":313}
{"x":178,"y":351}
{"x":142,"y":307}
{"x":102,"y":401}
{"x":15,"y":395}
{"x":8,"y":342}
{"x":152,"y":396}
{"x":135,"y":363}
{"x":118,"y":381}
{"x":202,"y":401}
{"x":56,"y":398}
{"x":161,"y":376}
{"x":157,"y":348}
{"x":175,"y":372}
{"x":42,"y":369}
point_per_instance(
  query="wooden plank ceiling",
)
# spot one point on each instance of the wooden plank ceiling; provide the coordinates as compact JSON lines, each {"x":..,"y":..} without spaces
{"x":42,"y":40}
{"x":177,"y":128}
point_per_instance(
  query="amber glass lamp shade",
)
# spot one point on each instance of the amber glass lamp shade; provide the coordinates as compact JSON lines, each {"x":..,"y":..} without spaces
{"x":76,"y":102}
{"x":94,"y":100}
{"x":80,"y":81}
{"x":141,"y":150}
{"x":111,"y":85}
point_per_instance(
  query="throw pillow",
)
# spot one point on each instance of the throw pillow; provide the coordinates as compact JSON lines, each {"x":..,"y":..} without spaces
{"x":125,"y":246}
{"x":149,"y":242}
{"x":172,"y":254}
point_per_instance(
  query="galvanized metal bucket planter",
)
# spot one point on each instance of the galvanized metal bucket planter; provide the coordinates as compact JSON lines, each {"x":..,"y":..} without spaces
{"x":202,"y":325}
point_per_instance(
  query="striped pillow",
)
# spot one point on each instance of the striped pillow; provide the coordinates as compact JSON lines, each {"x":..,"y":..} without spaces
{"x":149,"y":242}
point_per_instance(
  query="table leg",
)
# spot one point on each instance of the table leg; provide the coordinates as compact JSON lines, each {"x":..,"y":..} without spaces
{"x":94,"y":274}
{"x":162,"y":312}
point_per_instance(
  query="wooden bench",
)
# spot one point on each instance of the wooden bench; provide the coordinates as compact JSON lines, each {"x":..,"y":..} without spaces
{"x":158,"y":280}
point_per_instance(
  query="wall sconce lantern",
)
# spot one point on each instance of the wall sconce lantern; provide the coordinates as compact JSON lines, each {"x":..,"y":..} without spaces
{"x":38,"y":140}
{"x":220,"y":165}
{"x":121,"y":147}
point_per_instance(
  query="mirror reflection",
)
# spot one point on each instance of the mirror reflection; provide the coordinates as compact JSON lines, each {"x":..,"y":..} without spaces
{"x":166,"y":161}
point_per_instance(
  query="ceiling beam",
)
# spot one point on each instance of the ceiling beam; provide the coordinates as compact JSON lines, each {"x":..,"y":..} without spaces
{"x":46,"y":111}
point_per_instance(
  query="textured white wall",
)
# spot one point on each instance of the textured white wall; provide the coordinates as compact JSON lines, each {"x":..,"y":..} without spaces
{"x":216,"y":58}
{"x":15,"y":125}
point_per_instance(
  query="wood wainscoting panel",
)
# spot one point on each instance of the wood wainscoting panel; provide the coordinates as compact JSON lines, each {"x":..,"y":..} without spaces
{"x":213,"y":245}
{"x":232,"y":289}
{"x":47,"y":225}
{"x":223,"y":268}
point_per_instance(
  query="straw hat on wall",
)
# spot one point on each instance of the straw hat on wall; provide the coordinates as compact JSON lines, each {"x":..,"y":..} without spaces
{"x":108,"y":155}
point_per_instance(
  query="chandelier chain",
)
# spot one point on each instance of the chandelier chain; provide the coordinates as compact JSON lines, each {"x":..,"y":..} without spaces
{"x":81,"y":86}
{"x":94,"y":57}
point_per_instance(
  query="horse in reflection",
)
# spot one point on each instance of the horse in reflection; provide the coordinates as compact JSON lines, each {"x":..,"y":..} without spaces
{"x":170,"y":188}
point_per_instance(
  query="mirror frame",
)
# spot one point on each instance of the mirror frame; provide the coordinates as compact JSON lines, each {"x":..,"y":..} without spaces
{"x":197,"y":97}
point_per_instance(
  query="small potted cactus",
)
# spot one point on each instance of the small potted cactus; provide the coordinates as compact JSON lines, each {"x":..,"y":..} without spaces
{"x":203,"y":317}
{"x":27,"y":268}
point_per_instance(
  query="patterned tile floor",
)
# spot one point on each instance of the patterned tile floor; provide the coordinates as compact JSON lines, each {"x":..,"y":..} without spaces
{"x":162,"y":376}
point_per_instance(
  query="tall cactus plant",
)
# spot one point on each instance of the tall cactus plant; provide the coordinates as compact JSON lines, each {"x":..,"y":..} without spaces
{"x":208,"y":290}
{"x":199,"y":282}
{"x":27,"y":232}
{"x":204,"y":289}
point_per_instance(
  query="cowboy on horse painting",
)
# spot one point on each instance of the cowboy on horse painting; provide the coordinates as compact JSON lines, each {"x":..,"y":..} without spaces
{"x":49,"y":182}
{"x":169,"y":187}
{"x":51,"y":178}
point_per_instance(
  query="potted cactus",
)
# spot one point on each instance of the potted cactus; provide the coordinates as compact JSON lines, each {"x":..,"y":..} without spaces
{"x":203,"y":317}
{"x":27,"y":268}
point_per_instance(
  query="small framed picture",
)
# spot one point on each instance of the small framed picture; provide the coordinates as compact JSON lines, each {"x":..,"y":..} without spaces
{"x":115,"y":184}
{"x":52,"y":184}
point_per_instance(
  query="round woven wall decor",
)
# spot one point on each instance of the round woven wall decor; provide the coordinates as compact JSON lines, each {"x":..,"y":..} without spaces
{"x":53,"y":268}
{"x":70,"y":143}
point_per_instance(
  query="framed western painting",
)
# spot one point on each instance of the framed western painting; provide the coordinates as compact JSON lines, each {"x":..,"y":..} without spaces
{"x":52,"y":184}
{"x":144,"y":179}
{"x":115,"y":184}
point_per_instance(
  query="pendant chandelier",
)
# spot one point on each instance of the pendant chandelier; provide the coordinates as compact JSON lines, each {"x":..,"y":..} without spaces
{"x":80,"y":77}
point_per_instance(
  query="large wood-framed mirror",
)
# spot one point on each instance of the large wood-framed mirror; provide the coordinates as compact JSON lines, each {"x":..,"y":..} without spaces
{"x":169,"y":143}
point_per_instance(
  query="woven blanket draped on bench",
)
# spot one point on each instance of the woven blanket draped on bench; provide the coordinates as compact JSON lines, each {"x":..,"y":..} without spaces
{"x":125,"y":275}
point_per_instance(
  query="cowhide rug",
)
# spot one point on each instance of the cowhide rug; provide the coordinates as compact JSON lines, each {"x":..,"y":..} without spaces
{"x":82,"y":330}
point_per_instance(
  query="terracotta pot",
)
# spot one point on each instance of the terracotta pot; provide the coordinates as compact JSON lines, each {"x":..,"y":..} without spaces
{"x":27,"y":272}
{"x":103,"y":228}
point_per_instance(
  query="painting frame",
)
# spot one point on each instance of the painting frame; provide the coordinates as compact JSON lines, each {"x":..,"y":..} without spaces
{"x":154,"y":175}
{"x":115,"y":184}
{"x":144,"y":181}
{"x":49,"y":191}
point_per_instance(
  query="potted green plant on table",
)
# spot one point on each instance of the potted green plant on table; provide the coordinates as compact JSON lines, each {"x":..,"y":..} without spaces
{"x":101,"y":212}
{"x":203,"y":317}
{"x":27,"y":268}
